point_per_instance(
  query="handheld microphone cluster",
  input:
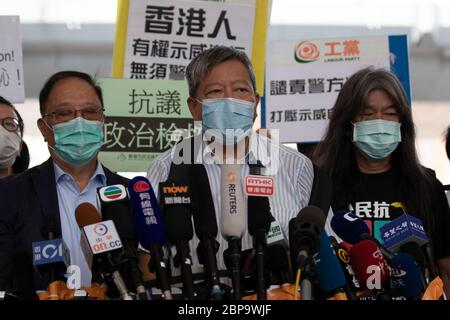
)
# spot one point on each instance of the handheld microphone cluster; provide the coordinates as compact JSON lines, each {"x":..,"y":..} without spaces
{"x":102,"y":247}
{"x":376,"y":268}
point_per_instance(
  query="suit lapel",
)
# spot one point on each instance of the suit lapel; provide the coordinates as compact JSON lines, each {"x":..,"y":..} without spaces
{"x":45,"y":186}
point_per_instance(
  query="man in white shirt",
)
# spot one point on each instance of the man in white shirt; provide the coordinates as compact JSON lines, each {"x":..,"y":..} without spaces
{"x":223,"y":96}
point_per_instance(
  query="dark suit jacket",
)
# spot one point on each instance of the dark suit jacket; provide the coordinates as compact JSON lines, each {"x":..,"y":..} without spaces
{"x":25,"y":200}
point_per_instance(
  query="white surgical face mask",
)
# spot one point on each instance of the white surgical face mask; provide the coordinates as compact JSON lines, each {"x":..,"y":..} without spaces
{"x":9,"y":147}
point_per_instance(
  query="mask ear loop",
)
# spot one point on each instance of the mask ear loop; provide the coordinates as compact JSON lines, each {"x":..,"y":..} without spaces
{"x":47,"y":125}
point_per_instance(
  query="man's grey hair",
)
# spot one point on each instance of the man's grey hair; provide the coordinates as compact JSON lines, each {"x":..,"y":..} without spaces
{"x":202,"y":64}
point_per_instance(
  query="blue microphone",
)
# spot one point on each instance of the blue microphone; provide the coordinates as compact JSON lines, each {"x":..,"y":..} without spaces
{"x":406,"y":276}
{"x":348,"y":226}
{"x":51,"y":258}
{"x":402,"y":230}
{"x":329,"y":271}
{"x":149,"y":226}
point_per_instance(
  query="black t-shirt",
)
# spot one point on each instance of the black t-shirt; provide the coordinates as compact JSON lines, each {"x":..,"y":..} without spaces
{"x":376,"y":198}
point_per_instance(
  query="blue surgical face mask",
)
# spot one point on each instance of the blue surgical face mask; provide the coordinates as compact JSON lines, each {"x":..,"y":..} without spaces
{"x":377,"y":139}
{"x":221,"y":114}
{"x":77,"y":141}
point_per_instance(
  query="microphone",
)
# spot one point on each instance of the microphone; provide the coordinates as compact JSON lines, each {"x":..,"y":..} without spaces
{"x":99,"y":241}
{"x":114,"y":206}
{"x":150,"y":227}
{"x":407,"y":234}
{"x":406,"y":276}
{"x":370,"y":267}
{"x":305,"y":232}
{"x":348,"y":226}
{"x":51,"y":257}
{"x":205,"y":224}
{"x":331,"y":277}
{"x":176,"y":207}
{"x":259,"y":220}
{"x":344,"y":259}
{"x":352,"y":229}
{"x":277,"y":254}
{"x":233,"y":220}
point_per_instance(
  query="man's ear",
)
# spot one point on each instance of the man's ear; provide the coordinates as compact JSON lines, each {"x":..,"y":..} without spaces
{"x":42,"y":128}
{"x":195,"y":108}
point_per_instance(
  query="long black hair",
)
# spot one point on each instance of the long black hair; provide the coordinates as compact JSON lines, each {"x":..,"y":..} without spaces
{"x":336,"y":155}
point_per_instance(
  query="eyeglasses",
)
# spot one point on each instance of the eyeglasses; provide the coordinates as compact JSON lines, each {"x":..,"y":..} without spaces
{"x":10,"y":124}
{"x":68,"y":113}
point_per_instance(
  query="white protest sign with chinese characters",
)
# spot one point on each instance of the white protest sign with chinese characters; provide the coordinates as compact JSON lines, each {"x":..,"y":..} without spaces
{"x":11,"y":65}
{"x":143,"y":119}
{"x":164,"y":36}
{"x":303,"y":79}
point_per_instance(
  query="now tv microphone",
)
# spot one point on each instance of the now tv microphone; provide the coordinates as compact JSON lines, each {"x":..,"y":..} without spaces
{"x":114,"y":206}
{"x":370,"y":267}
{"x":176,"y":203}
{"x":233,"y":216}
{"x":406,"y":276}
{"x":99,"y":241}
{"x":150,"y":227}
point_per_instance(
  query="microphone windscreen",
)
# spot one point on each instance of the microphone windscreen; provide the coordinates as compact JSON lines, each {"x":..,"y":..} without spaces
{"x":146,"y":213}
{"x":406,"y":275}
{"x":348,"y":226}
{"x":259,"y":216}
{"x":203,"y":210}
{"x":328,"y":268}
{"x":368,"y":263}
{"x":49,"y":227}
{"x":176,"y":204}
{"x":308,"y":227}
{"x":114,"y":206}
{"x":86,"y":214}
{"x":233,"y":211}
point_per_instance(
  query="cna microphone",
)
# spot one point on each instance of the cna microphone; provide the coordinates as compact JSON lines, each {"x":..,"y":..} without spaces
{"x":205,"y":223}
{"x":150,"y":227}
{"x":99,"y":242}
{"x":406,"y":276}
{"x":233,"y":220}
{"x":329,"y":272}
{"x":176,"y":208}
{"x":259,"y":220}
{"x":305,"y":232}
{"x":370,"y":267}
{"x":114,"y":206}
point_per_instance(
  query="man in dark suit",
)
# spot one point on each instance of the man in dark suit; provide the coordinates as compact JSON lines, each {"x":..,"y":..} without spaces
{"x":72,"y":120}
